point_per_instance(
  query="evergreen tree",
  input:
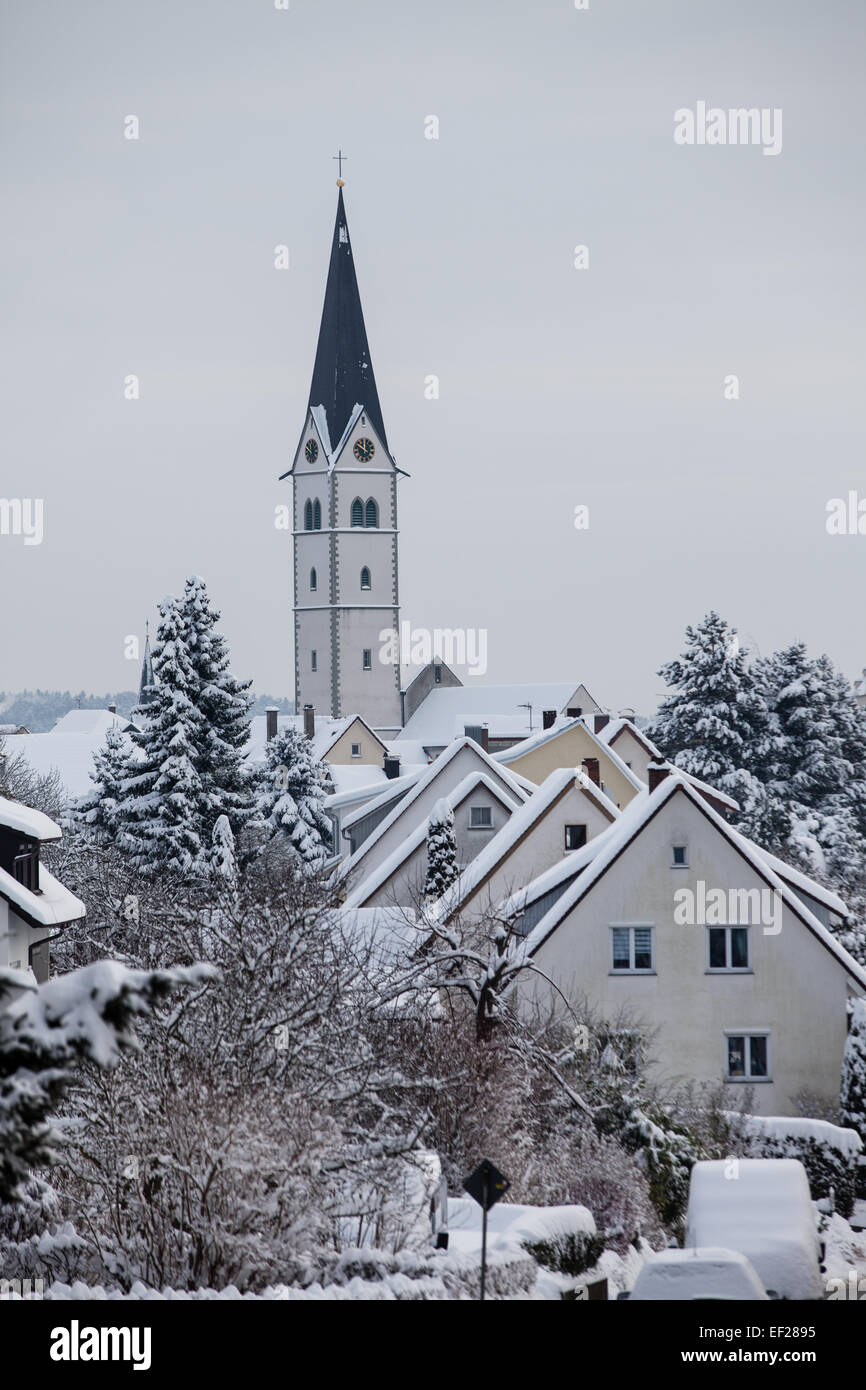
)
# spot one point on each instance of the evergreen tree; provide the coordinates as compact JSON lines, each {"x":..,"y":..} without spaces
{"x":711,"y":722}
{"x":853,"y":1094}
{"x":162,"y":801}
{"x":224,"y":705}
{"x":292,"y":787}
{"x":223,"y":859}
{"x":96,"y":809}
{"x":442,"y":867}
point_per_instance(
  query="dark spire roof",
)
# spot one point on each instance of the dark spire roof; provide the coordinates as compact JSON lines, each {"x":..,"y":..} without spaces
{"x":343,"y":373}
{"x":145,"y":688}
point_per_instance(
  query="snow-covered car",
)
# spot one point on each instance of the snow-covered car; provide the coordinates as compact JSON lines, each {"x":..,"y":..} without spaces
{"x":677,"y":1275}
{"x":762,"y":1208}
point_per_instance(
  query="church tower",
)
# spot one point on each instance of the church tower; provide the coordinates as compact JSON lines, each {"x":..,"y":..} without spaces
{"x":345,"y":519}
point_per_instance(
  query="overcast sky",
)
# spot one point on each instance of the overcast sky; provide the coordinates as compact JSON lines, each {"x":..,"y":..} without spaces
{"x":558,"y":386}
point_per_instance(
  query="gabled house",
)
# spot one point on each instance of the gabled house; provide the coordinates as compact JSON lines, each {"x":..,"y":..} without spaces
{"x":572,"y":743}
{"x":497,"y":716}
{"x":693,"y":929}
{"x":481,"y":807}
{"x":34,"y":905}
{"x":402,"y":817}
{"x":566,"y":812}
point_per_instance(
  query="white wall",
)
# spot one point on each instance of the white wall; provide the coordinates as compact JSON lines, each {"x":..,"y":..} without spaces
{"x":797,"y":989}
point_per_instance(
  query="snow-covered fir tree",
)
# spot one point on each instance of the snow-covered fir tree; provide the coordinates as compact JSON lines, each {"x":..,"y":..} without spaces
{"x":442,"y":867}
{"x":852,"y":1103}
{"x":292,"y":786}
{"x":224,"y":704}
{"x":712,"y":722}
{"x":96,"y":809}
{"x":162,"y":802}
{"x":223,"y":857}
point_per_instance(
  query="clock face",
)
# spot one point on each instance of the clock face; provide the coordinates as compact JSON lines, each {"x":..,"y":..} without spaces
{"x":364,"y":450}
{"x":312,"y":451}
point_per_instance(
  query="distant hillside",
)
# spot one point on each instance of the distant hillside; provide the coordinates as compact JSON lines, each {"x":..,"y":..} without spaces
{"x":39,"y":710}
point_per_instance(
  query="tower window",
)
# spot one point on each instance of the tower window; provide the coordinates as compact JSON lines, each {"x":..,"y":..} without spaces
{"x":314,"y":663}
{"x":308,"y":516}
{"x":317,"y":515}
{"x":371,"y":515}
{"x":357,"y":512}
{"x":368,"y":658}
{"x":313,"y":581}
{"x":365,"y":578}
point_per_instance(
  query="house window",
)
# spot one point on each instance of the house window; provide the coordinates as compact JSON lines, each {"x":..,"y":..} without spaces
{"x":313,"y":581}
{"x":748,"y":1056}
{"x":317,"y":515}
{"x":356,"y":750}
{"x":357,"y":512}
{"x":679,"y":857}
{"x":308,"y":515}
{"x":313,"y":662}
{"x":632,"y":950}
{"x":728,"y":948}
{"x":368,"y":658}
{"x":575,"y":836}
{"x":574,"y":713}
{"x":25,"y":867}
{"x":365,"y":578}
{"x":480,"y":818}
{"x":437,"y":675}
{"x":371,"y":513}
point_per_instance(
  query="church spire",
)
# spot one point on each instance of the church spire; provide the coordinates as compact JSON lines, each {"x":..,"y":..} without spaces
{"x":145,"y":688}
{"x":343,"y":371}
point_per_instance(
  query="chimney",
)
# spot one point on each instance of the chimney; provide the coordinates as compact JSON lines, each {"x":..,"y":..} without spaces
{"x":478,"y":732}
{"x":590,"y":767}
{"x":271,"y":721}
{"x":600,"y":721}
{"x":309,"y":721}
{"x":112,"y":709}
{"x":548,"y":718}
{"x":392,"y":766}
{"x":656,"y":774}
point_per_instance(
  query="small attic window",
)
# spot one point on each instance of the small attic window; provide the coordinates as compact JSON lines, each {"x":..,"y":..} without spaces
{"x":437,"y":675}
{"x":679,"y":856}
{"x":25,"y":866}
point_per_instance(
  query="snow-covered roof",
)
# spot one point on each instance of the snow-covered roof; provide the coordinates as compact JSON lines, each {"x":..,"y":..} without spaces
{"x":25,"y":821}
{"x":93,"y":722}
{"x":430,"y":773}
{"x":327,"y":732}
{"x":446,"y":711}
{"x":631,"y":822}
{"x":518,"y":825}
{"x":806,"y":884}
{"x":69,"y":747}
{"x":618,"y":724}
{"x":53,"y":906}
{"x":369,"y":885}
{"x":510,"y":755}
{"x":705,"y":788}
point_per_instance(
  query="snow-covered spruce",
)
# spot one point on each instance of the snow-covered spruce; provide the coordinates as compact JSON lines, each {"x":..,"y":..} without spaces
{"x":852,"y":1105}
{"x":442,"y":867}
{"x":292,"y":786}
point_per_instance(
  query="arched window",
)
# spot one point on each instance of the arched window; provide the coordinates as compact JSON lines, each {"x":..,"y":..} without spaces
{"x":372,"y":513}
{"x":357,"y":512}
{"x":312,"y":581}
{"x":365,"y":578}
{"x":308,"y":516}
{"x":317,"y":515}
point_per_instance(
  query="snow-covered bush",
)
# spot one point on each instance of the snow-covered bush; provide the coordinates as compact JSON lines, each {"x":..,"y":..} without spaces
{"x":829,"y":1153}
